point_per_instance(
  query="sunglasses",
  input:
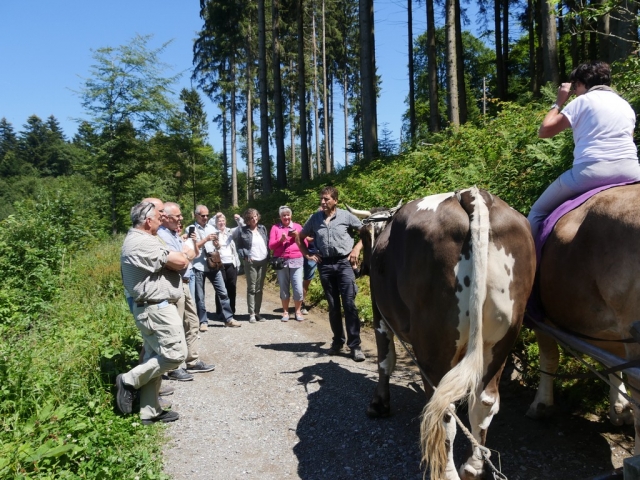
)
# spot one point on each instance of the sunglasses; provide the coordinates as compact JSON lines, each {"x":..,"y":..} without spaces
{"x":203,"y":215}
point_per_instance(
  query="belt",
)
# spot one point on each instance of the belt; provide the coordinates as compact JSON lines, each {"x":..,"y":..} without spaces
{"x":334,"y":259}
{"x":186,"y":279}
{"x":160,"y":303}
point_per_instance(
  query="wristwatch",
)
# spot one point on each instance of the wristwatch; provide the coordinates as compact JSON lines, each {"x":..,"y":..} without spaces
{"x":555,"y":105}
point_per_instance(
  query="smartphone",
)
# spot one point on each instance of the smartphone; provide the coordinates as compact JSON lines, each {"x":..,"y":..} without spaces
{"x":190,"y":230}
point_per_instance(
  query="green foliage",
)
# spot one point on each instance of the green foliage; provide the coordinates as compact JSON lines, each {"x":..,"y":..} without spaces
{"x":56,"y":404}
{"x":35,"y":242}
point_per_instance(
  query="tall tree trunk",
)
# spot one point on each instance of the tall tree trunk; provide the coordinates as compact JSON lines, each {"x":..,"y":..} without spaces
{"x":226,"y":194}
{"x":533,"y":83}
{"x":264,"y":106}
{"x":452,"y":76}
{"x":292,"y":121}
{"x":302,"y":97}
{"x":500,"y":70}
{"x":328,"y":163}
{"x":250,"y":80}
{"x":462,"y":85}
{"x":309,"y":138}
{"x":250,"y":163}
{"x":432,"y":60}
{"x":316,"y":99}
{"x":332,"y":152}
{"x":624,"y":31}
{"x":573,"y":42}
{"x":505,"y":46}
{"x":412,"y":100}
{"x":540,"y":49}
{"x":549,"y":44}
{"x":281,"y":161}
{"x":345,"y":109}
{"x":368,"y":80}
{"x":234,"y":160}
{"x":562,"y":58}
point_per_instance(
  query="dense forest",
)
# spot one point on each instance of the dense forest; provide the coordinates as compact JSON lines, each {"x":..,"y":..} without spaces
{"x":273,"y":69}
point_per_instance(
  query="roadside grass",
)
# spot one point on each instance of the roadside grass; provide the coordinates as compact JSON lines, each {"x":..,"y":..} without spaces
{"x":57,"y":404}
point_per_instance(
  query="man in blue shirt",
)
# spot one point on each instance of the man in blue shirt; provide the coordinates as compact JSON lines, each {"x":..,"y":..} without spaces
{"x":168,"y":232}
{"x":336,"y":259}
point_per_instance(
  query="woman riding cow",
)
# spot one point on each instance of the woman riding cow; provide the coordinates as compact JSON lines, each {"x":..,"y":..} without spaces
{"x":602,"y":124}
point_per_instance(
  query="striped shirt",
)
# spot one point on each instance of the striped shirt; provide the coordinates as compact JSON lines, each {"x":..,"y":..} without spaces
{"x":142,"y":260}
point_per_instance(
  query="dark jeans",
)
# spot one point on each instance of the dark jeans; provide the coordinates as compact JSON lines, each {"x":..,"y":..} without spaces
{"x":230,"y":278}
{"x":221,"y":292}
{"x":339,"y":283}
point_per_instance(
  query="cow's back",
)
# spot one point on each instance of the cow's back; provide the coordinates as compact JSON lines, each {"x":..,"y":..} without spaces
{"x":589,"y":280}
{"x":423,"y":258}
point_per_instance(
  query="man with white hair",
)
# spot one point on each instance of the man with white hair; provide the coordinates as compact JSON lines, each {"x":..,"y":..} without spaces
{"x":186,"y":305}
{"x":150,"y":275}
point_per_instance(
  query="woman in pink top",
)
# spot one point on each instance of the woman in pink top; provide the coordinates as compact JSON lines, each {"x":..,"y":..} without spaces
{"x":282,"y":240}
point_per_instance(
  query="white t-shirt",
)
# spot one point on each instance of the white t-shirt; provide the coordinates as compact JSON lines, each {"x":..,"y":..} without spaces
{"x":602,"y":124}
{"x":258,"y":247}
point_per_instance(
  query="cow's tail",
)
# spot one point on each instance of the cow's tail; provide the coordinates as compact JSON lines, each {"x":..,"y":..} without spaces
{"x":462,"y":380}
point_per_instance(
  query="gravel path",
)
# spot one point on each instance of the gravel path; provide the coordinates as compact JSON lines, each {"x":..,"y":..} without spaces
{"x":277,"y":406}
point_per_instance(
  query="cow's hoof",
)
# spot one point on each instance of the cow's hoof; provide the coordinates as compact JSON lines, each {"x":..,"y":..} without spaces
{"x":622,"y":417}
{"x":540,"y":411}
{"x":378,"y":410}
{"x":468,"y":472}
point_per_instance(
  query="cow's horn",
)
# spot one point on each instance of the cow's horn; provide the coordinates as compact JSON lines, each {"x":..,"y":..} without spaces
{"x":359,"y":213}
{"x":399,"y":203}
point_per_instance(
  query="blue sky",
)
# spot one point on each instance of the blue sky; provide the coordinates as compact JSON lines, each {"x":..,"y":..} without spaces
{"x":46,"y":52}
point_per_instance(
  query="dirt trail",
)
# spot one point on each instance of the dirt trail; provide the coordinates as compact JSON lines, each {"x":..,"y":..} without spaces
{"x":277,"y":406}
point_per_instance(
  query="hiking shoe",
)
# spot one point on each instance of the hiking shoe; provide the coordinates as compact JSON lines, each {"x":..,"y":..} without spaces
{"x":204,"y":327}
{"x":179,"y":374}
{"x":201,"y":367}
{"x":166,"y":390}
{"x":357,"y":354}
{"x":124,"y":395}
{"x":233,"y":323}
{"x":165,"y":417}
{"x":285,"y":317}
{"x":164,"y":403}
{"x":299,"y":317}
{"x":304,"y":311}
{"x":336,"y":349}
{"x":259,"y":318}
{"x":252,"y":319}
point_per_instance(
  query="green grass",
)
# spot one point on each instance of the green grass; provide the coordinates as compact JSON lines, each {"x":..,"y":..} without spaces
{"x":57,"y":405}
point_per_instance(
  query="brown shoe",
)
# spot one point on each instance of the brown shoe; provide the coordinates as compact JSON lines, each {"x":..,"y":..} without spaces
{"x":232,"y":323}
{"x":204,"y":327}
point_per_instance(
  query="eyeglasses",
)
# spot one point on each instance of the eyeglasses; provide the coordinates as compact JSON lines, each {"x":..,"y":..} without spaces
{"x":204,"y":215}
{"x":176,"y":216}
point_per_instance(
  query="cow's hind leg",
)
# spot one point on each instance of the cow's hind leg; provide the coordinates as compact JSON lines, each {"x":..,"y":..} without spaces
{"x":620,"y":411}
{"x":542,"y":405}
{"x":380,"y":403}
{"x":481,"y":413}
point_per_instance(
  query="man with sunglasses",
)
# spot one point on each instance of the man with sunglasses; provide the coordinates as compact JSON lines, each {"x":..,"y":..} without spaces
{"x":204,"y":237}
{"x":186,"y":305}
{"x":150,"y":275}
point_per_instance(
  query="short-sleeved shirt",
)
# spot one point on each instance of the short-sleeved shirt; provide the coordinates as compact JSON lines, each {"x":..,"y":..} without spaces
{"x":145,"y":277}
{"x":332,"y":239}
{"x":603,"y":125}
{"x":174,"y":242}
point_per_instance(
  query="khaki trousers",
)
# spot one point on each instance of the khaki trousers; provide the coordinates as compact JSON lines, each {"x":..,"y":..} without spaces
{"x":189,"y":314}
{"x":165,"y":349}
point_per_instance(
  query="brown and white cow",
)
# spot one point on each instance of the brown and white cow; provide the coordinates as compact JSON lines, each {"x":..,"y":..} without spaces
{"x":590,"y":284}
{"x":450,"y":274}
